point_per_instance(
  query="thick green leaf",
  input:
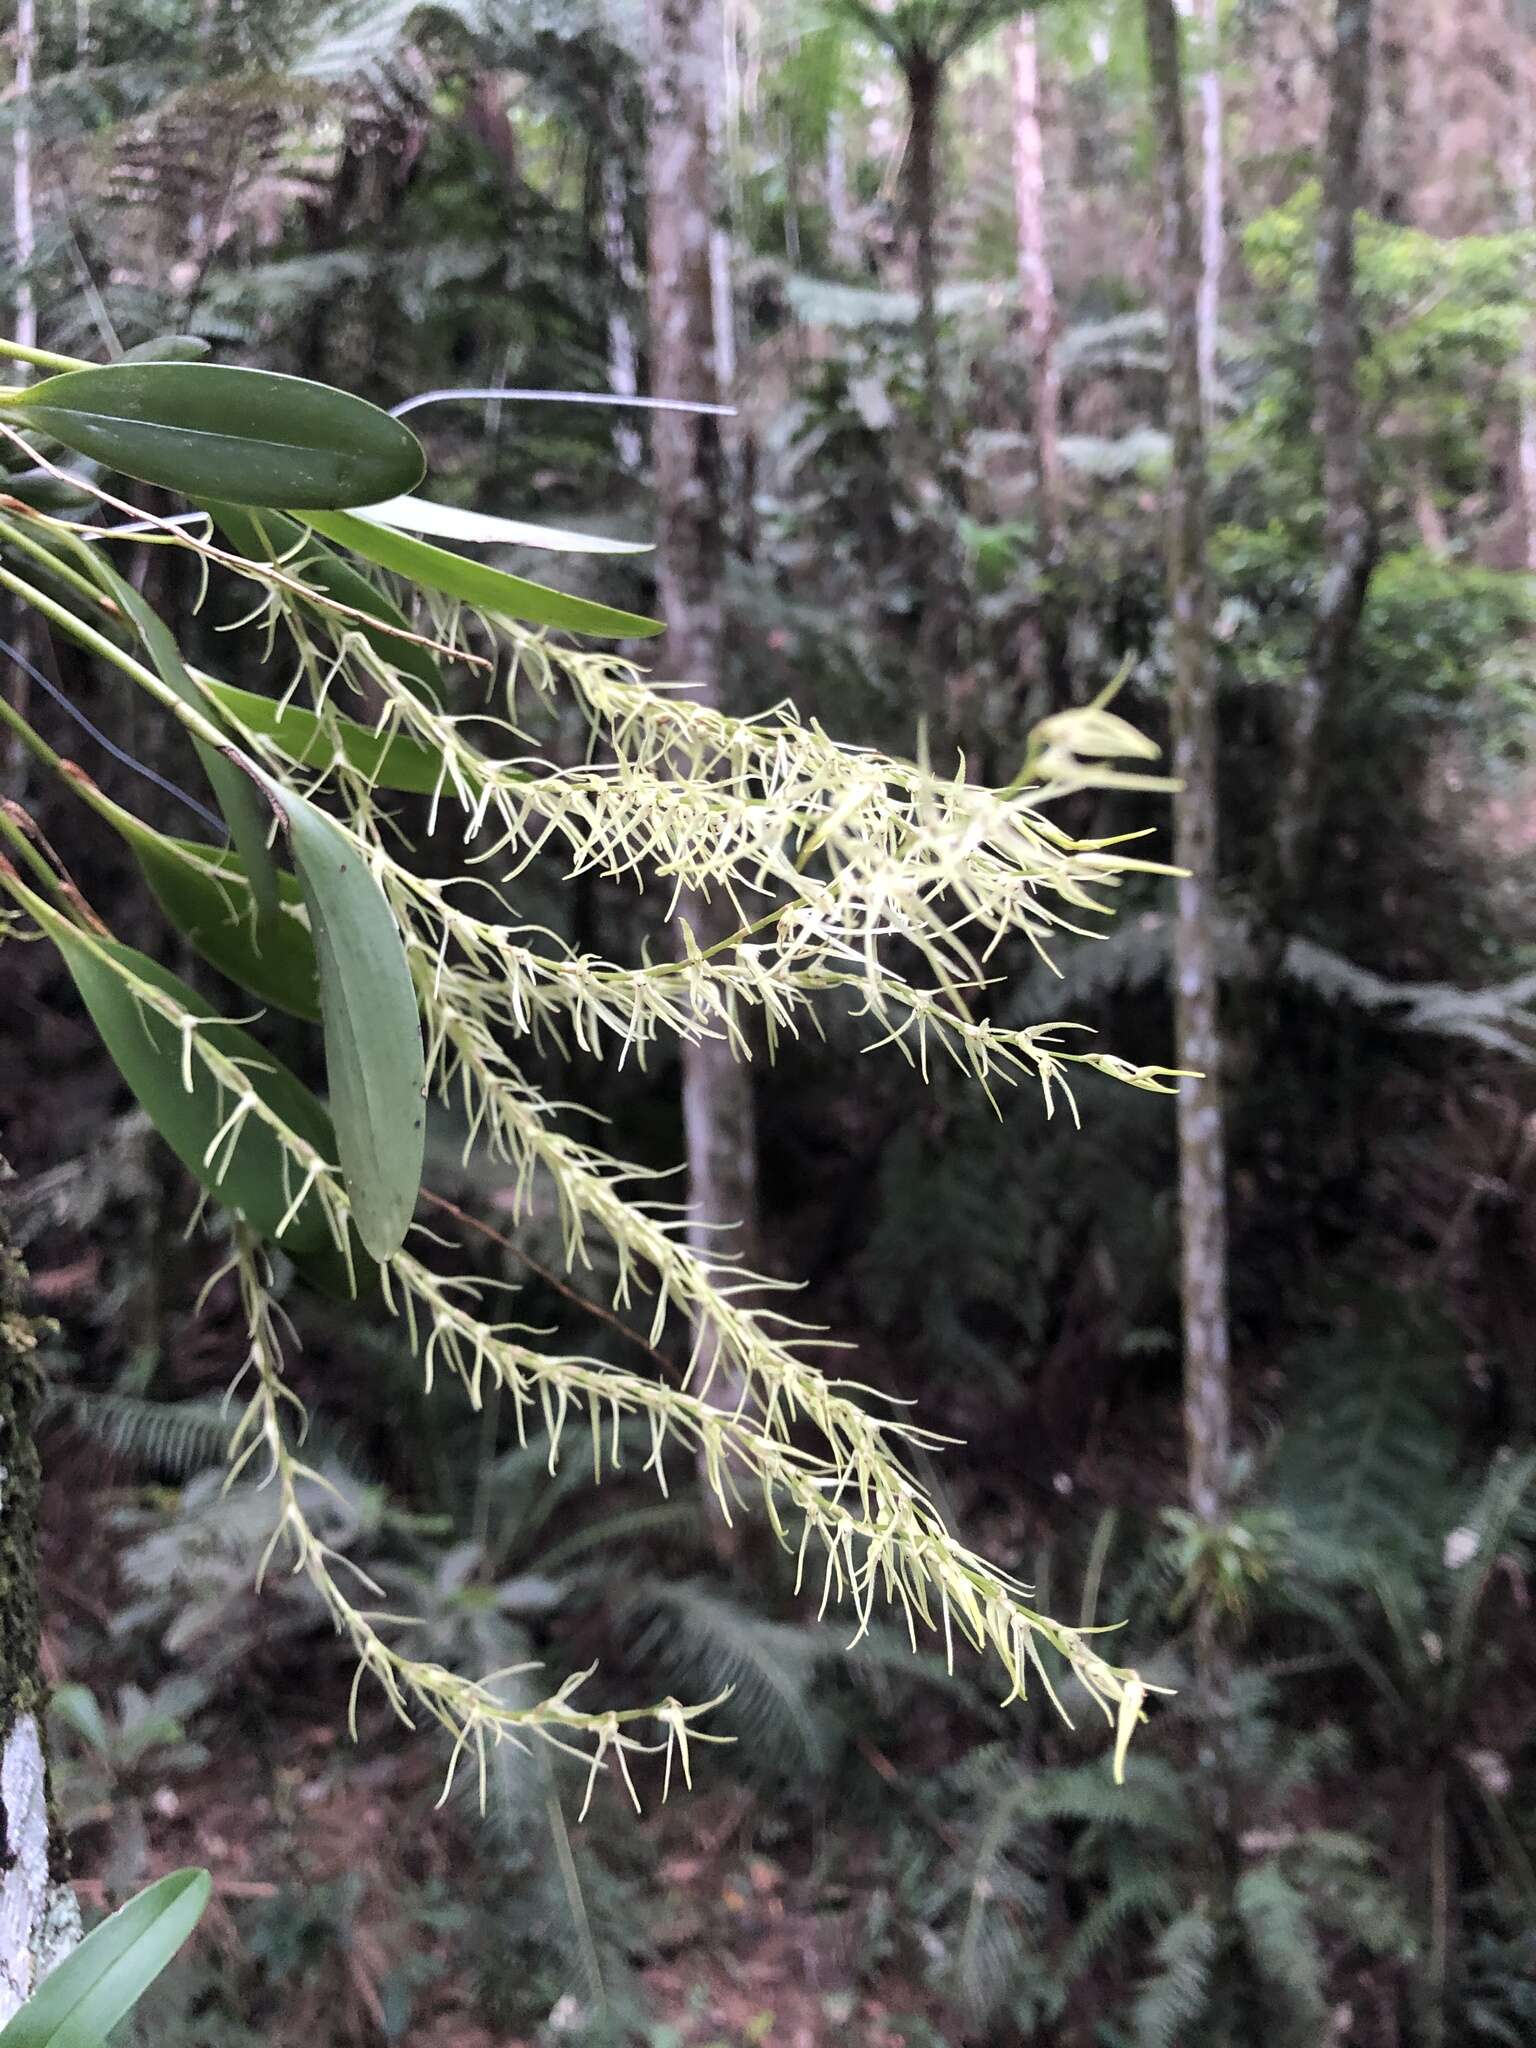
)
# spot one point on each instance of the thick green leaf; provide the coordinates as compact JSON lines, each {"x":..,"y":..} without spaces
{"x":206,"y":894}
{"x":146,"y":1048}
{"x":374,"y":1060}
{"x":389,"y":760}
{"x":273,"y":536}
{"x":167,"y":348}
{"x":484,"y":529}
{"x":98,"y":1983}
{"x":45,"y":492}
{"x":489,"y":590}
{"x":248,"y":818}
{"x":211,"y":430}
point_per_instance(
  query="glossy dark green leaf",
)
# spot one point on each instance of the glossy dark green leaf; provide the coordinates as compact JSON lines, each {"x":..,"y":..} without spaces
{"x":101,"y":1980}
{"x":374,"y":1061}
{"x":389,"y":760}
{"x":273,"y":536}
{"x":146,"y":1048}
{"x":211,"y":430}
{"x":489,"y":590}
{"x":249,"y":818}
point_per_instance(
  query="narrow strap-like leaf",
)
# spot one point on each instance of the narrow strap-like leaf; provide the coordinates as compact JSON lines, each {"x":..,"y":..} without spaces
{"x":486,"y":529}
{"x":101,"y":1980}
{"x":248,"y":817}
{"x":489,"y":590}
{"x":264,"y":536}
{"x":387,"y":760}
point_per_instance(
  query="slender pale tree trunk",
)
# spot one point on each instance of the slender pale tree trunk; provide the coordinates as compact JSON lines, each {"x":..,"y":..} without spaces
{"x":624,"y":282}
{"x":1523,"y":180}
{"x":1202,"y":1143}
{"x":1036,"y":284}
{"x":1349,"y":526}
{"x":24,"y":228}
{"x":39,"y":1920}
{"x":844,"y":246}
{"x":687,"y":339}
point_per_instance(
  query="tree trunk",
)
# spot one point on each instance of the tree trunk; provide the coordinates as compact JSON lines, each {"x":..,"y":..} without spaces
{"x":843,"y":245}
{"x":23,"y":224}
{"x":1349,"y":526}
{"x":623,"y":289}
{"x":1213,"y":239}
{"x":1036,"y":286}
{"x":39,"y":1920}
{"x":684,"y":78}
{"x":1202,"y":1146}
{"x":925,"y":88}
{"x":1523,"y":165}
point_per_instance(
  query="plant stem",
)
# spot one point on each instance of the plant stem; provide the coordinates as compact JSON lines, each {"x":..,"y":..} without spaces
{"x":55,"y":565}
{"x":97,"y":643}
{"x":42,"y":358}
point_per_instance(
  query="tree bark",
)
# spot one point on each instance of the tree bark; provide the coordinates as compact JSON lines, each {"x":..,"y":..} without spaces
{"x":1202,"y":1144}
{"x":687,"y":347}
{"x":23,"y":223}
{"x":1349,"y":524}
{"x":1036,"y":284}
{"x":1213,"y":238}
{"x":39,"y":1919}
{"x":925,"y":89}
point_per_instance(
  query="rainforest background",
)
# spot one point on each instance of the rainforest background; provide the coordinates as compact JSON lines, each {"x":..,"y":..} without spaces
{"x":988,"y":310}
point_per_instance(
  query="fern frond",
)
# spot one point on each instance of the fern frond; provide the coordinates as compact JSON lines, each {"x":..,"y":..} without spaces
{"x":1172,"y":2000}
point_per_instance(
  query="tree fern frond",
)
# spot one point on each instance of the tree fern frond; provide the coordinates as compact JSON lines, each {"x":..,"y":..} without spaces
{"x":165,"y":1439}
{"x":702,"y":1644}
{"x":1173,"y":1999}
{"x":1279,"y":1933}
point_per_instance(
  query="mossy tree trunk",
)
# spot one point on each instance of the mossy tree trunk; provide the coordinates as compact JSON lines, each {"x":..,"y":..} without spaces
{"x":39,"y":1920}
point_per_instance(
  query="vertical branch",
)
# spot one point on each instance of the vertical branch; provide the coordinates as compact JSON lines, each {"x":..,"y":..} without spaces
{"x":1202,"y":1147}
{"x":1349,"y":525}
{"x":688,"y":336}
{"x":39,"y":1920}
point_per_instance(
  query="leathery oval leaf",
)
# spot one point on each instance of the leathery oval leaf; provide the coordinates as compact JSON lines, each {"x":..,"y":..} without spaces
{"x":374,"y":1059}
{"x":251,"y":1172}
{"x":100,"y":1981}
{"x":214,"y":430}
{"x":273,"y":537}
{"x":388,"y":760}
{"x":489,"y":590}
{"x":240,"y":803}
